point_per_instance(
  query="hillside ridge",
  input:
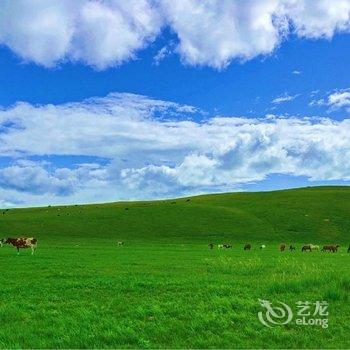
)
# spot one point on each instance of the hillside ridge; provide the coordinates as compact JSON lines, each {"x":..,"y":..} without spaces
{"x":312,"y":214}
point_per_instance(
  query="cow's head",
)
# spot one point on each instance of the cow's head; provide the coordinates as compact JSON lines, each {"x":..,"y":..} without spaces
{"x":3,"y":241}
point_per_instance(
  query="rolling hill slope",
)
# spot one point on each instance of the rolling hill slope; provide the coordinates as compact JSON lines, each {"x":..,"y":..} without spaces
{"x":315,"y":214}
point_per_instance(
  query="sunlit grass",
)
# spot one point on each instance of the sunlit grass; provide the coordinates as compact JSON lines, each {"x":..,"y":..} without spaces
{"x":165,"y":288}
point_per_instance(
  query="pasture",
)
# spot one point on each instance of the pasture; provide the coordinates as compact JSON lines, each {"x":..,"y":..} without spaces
{"x":165,"y":287}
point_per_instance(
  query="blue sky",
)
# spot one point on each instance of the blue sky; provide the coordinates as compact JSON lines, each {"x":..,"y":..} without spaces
{"x":240,"y":89}
{"x":171,"y":105}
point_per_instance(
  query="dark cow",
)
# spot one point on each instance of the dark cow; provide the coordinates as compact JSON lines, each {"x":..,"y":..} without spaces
{"x":211,"y":245}
{"x":227,"y":246}
{"x":247,"y":247}
{"x":330,"y":248}
{"x":282,"y":247}
{"x":306,"y":248}
{"x":22,"y":243}
{"x":291,"y":247}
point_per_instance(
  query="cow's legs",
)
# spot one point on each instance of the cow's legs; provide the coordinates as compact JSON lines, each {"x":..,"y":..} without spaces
{"x":33,"y":249}
{"x":17,"y":250}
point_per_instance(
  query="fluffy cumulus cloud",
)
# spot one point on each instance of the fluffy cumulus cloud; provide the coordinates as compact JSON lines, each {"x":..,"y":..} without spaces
{"x":146,"y":148}
{"x":38,"y":178}
{"x":105,"y":33}
{"x":338,"y":99}
{"x":98,"y":33}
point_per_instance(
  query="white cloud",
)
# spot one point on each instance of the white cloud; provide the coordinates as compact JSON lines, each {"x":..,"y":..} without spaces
{"x":213,"y":33}
{"x":100,"y":34}
{"x":318,"y":19}
{"x":336,"y":100}
{"x":284,"y":98}
{"x":164,"y":52}
{"x":296,"y":72}
{"x":161,"y":54}
{"x":339,"y":99}
{"x":319,"y":102}
{"x":147,"y":153}
{"x":37,"y":178}
{"x":109,"y":33}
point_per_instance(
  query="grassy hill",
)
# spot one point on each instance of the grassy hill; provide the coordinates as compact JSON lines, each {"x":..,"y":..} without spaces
{"x":316,"y":214}
{"x":165,"y":288}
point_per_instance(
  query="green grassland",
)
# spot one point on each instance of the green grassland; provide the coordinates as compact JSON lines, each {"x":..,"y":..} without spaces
{"x":165,"y":288}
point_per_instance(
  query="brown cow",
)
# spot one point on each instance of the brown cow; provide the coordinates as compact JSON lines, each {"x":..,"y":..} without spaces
{"x":247,"y":247}
{"x":22,"y":243}
{"x":330,"y":248}
{"x":282,"y":247}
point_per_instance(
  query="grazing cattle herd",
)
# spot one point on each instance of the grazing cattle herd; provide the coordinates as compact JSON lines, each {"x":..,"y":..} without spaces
{"x":282,"y":247}
{"x":32,"y":243}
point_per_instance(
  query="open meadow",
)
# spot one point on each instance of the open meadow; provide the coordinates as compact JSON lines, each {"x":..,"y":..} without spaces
{"x":165,"y":287}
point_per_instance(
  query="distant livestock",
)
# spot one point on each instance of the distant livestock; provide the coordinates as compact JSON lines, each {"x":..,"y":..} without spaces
{"x":291,"y":247}
{"x":349,"y":249}
{"x":120,"y":244}
{"x":224,"y":245}
{"x":330,"y":248}
{"x":263,"y":246}
{"x":314,"y":247}
{"x":306,"y":248}
{"x":22,"y":243}
{"x":282,"y":247}
{"x":247,"y":247}
{"x":211,"y":245}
